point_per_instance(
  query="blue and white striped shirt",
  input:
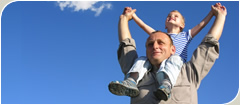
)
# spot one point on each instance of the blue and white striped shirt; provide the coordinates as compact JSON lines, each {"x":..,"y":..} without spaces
{"x":181,"y":42}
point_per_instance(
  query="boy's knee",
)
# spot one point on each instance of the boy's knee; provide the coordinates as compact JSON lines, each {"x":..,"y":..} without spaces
{"x":176,"y":60}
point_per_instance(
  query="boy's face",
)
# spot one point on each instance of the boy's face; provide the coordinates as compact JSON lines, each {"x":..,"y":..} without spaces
{"x":174,"y":18}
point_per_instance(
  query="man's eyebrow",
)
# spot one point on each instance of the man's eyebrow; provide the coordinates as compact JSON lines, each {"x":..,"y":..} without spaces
{"x":149,"y":41}
{"x":160,"y":40}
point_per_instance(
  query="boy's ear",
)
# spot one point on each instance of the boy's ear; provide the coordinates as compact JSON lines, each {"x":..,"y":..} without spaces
{"x":182,"y":26}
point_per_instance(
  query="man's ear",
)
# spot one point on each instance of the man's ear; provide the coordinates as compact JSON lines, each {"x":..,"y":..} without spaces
{"x":173,"y":49}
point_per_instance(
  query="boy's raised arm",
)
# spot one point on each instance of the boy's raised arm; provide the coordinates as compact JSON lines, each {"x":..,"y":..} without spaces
{"x":141,"y":24}
{"x":195,"y":30}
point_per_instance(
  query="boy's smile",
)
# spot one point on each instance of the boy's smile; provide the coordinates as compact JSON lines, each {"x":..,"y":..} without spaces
{"x":171,"y":19}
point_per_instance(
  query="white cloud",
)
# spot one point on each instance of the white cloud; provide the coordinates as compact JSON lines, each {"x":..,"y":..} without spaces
{"x":84,"y":5}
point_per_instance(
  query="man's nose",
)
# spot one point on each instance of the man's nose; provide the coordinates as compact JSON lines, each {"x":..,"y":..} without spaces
{"x":155,"y":45}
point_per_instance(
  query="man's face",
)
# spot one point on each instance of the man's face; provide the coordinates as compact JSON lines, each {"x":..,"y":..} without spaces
{"x":159,"y":48}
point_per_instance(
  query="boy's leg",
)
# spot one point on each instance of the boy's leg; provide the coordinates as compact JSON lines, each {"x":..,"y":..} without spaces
{"x":167,"y":76}
{"x":140,"y":67}
{"x":128,"y":87}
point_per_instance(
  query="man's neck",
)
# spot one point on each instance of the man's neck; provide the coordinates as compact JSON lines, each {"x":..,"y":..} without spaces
{"x":155,"y":68}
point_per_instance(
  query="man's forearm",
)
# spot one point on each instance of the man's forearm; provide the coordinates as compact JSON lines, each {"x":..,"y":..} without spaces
{"x":217,"y":27}
{"x":123,"y":28}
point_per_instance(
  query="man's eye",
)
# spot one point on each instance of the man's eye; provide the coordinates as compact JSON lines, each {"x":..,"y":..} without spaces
{"x":160,"y":43}
{"x":150,"y":44}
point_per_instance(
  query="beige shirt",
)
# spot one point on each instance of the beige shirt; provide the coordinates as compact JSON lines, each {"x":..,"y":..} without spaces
{"x":189,"y":79}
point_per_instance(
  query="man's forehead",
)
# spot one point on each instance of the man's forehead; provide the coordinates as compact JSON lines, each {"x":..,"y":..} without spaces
{"x":157,"y":35}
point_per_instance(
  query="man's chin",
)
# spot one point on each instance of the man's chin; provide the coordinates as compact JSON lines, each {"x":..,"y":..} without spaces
{"x":156,"y":58}
{"x":155,"y":61}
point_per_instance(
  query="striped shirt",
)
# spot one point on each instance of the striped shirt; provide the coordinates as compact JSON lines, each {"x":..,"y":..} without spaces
{"x":181,"y":42}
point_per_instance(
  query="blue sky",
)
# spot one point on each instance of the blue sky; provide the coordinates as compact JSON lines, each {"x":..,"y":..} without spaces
{"x":52,"y":54}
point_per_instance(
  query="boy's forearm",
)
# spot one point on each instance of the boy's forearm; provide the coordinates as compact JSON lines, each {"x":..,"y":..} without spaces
{"x":202,"y":24}
{"x":217,"y":27}
{"x":205,"y":21}
{"x":141,"y":24}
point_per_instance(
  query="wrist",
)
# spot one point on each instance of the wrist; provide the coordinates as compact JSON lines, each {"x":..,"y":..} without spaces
{"x":125,"y":18}
{"x":219,"y":15}
{"x":134,"y":15}
{"x":211,"y":13}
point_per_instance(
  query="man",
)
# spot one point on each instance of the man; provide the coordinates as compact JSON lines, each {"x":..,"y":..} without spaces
{"x":158,"y":48}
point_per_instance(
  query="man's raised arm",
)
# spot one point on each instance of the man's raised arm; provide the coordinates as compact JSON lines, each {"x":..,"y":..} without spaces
{"x":207,"y":52}
{"x":220,"y":12}
{"x":123,"y":28}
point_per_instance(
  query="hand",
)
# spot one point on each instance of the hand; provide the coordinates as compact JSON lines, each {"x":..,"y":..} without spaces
{"x":218,"y":9}
{"x":128,"y":13}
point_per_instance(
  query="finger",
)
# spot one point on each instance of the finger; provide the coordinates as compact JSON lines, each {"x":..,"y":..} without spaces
{"x":134,"y":10}
{"x":125,"y":10}
{"x":214,"y":7}
{"x":224,"y":8}
{"x":219,"y":4}
{"x":129,"y":8}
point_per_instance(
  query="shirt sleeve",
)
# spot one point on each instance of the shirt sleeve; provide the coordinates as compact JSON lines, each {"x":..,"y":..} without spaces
{"x":189,"y":35}
{"x":202,"y":60}
{"x":127,"y":54}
